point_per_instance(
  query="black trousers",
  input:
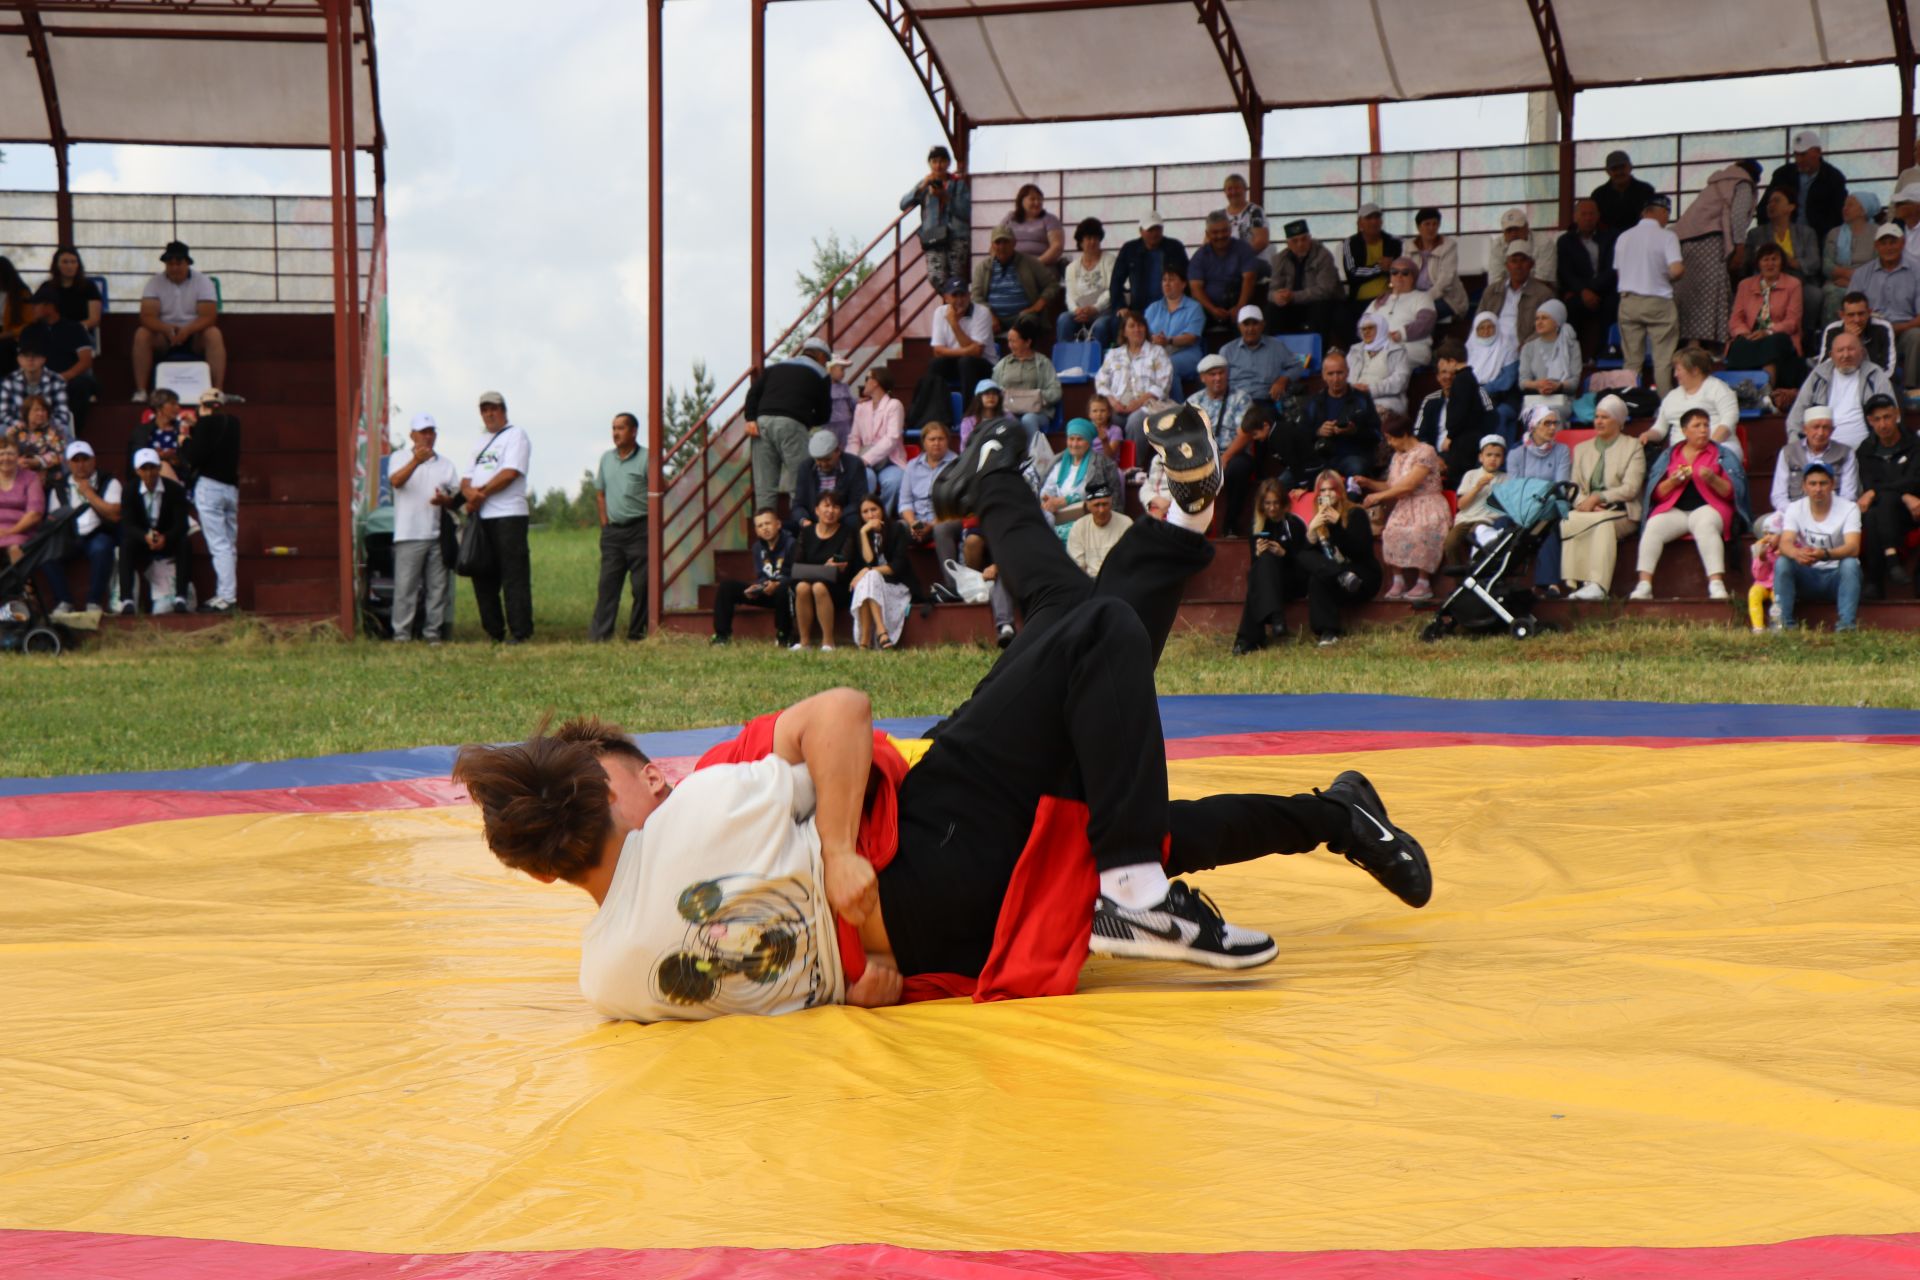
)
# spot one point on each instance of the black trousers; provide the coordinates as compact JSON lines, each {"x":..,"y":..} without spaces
{"x":1325,"y":596}
{"x":730,"y":593}
{"x":623,"y":558}
{"x":1272,"y":580}
{"x":962,"y":374}
{"x":1244,"y":473}
{"x":1323,"y":318}
{"x":511,"y":579}
{"x":1070,"y":711}
{"x":1884,"y":527}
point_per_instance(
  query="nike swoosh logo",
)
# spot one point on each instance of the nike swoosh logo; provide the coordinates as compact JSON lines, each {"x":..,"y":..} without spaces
{"x":1172,"y":933}
{"x":1386,"y":836}
{"x":986,"y":451}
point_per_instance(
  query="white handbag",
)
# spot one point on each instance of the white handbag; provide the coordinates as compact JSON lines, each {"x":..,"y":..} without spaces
{"x":970,"y":584}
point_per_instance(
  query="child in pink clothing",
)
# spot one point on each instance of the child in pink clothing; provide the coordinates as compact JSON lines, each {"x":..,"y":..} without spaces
{"x":1766,"y":552}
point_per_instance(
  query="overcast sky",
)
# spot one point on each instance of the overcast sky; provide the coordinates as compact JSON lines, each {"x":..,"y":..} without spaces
{"x":517,"y":166}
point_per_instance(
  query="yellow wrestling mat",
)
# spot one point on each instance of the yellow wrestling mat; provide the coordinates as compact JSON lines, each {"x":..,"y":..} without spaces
{"x":1663,"y":997}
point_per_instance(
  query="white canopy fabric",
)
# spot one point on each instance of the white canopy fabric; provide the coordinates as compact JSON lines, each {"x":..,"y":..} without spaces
{"x":222,"y":73}
{"x":1030,"y":61}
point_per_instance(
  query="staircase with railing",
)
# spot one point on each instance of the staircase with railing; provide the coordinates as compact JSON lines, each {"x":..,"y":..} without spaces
{"x":711,"y":486}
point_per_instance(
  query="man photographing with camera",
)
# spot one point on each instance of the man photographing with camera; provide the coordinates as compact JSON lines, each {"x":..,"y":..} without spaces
{"x":945,"y":201}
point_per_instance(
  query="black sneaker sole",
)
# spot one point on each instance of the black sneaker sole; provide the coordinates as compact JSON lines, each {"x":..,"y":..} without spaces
{"x":1409,"y":881}
{"x":1184,"y":440}
{"x":999,"y":446}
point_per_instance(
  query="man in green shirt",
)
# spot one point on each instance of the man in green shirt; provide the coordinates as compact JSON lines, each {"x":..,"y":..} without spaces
{"x":620,"y":492}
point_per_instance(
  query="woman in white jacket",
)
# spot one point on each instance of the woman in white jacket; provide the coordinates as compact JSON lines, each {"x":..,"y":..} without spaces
{"x":1694,"y":386}
{"x":1438,"y":260}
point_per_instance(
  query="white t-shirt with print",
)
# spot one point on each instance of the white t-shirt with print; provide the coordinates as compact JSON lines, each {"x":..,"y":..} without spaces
{"x":719,"y":904}
{"x":415,"y":518}
{"x":1843,"y":518}
{"x":508,"y":449}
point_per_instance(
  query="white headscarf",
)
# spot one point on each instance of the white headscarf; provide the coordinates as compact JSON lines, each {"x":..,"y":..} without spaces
{"x":1564,"y":360}
{"x":1379,"y":326}
{"x":1488,"y":356}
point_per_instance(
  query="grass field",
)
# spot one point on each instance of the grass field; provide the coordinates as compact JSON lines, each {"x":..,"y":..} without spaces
{"x":248,"y":693}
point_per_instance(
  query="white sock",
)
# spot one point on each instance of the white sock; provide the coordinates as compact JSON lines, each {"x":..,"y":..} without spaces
{"x":1196,"y":521}
{"x":1137,"y":886}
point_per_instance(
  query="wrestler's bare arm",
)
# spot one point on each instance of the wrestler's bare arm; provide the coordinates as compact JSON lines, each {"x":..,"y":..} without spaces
{"x":831,"y":733}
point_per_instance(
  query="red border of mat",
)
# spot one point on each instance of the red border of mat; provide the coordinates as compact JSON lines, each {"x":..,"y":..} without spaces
{"x":60,"y":1255}
{"x":77,"y":813}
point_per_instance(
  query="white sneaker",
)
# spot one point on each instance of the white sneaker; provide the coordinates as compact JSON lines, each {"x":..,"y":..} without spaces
{"x":1183,"y":926}
{"x":826,"y":648}
{"x":1642,"y":590}
{"x":1589,"y":591}
{"x":139,"y":397}
{"x":795,"y":647}
{"x":62,"y":610}
{"x":1716,"y":589}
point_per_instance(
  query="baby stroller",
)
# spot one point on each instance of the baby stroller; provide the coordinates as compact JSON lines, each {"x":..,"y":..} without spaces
{"x":1485,"y":602}
{"x":25,"y":626}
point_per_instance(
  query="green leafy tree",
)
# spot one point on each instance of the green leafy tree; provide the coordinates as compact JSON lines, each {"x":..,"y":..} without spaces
{"x":684,"y":408}
{"x":829,"y":260}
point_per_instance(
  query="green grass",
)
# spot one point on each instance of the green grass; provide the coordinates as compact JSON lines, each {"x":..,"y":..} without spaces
{"x":250,"y":693}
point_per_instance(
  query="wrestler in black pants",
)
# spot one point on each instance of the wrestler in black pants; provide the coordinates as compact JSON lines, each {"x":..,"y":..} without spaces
{"x":1069,"y":711}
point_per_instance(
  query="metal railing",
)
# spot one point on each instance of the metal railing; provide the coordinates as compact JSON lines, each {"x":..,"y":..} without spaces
{"x":1471,"y":186}
{"x":711,"y":485}
{"x":269,"y":253}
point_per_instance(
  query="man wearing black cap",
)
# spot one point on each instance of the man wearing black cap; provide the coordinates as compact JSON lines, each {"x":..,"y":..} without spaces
{"x":177,"y":313}
{"x":963,"y":351}
{"x":1622,"y":196}
{"x":1306,"y":295}
{"x":945,"y":201}
{"x":786,"y":402}
{"x":1091,"y":538}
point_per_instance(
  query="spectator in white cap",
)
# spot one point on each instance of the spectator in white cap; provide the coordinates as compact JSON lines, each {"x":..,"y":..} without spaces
{"x":1514,"y":296}
{"x":1814,"y":444}
{"x":96,"y":530}
{"x":1818,"y":189}
{"x":1225,"y":410}
{"x":1142,"y":262}
{"x":788,"y":400}
{"x":1263,"y":367}
{"x":1407,"y":313}
{"x":424,"y":485}
{"x":495,"y":490}
{"x":844,"y":401}
{"x":153,"y":526}
{"x":1516,"y":225}
{"x":1368,"y":251}
{"x":1378,"y":366}
{"x":1891,"y":284}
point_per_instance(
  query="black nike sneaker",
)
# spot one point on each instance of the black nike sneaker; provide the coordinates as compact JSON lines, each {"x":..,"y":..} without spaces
{"x":1183,"y":438}
{"x":1375,"y":845}
{"x":1184,"y":926}
{"x":999,"y":445}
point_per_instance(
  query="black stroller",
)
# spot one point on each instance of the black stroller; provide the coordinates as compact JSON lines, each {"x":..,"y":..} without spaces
{"x":1486,"y":602}
{"x":25,"y":626}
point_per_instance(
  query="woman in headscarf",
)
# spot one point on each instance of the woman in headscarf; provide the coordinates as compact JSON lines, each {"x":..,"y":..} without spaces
{"x":1064,"y":494}
{"x":1540,"y":457}
{"x":1712,"y":233}
{"x":1551,"y":362}
{"x":1379,"y":367}
{"x":1494,"y":358}
{"x":1848,"y":245}
{"x":1610,"y":471}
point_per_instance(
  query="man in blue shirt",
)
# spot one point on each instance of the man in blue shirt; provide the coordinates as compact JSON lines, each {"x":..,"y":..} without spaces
{"x":1175,"y":323}
{"x":1262,"y":367}
{"x":1892,"y":286}
{"x":1222,"y":275}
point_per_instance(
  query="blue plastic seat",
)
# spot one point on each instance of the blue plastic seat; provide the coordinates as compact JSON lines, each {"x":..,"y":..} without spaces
{"x":1303,"y":344}
{"x":1085,"y":355}
{"x":1734,"y":377}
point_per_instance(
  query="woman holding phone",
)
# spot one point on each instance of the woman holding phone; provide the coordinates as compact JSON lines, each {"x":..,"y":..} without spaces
{"x":1338,"y":558}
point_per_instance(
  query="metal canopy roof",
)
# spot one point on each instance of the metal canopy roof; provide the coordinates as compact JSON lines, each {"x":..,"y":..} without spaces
{"x":211,"y":73}
{"x":1003,"y":62}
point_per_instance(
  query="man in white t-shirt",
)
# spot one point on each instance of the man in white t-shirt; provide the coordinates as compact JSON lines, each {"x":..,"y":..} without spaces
{"x":96,"y":530}
{"x":178,"y":310}
{"x":752,"y":887}
{"x":495,"y":490}
{"x":423,"y":486}
{"x":961,"y":335}
{"x":1819,"y":550}
{"x":1647,"y":261}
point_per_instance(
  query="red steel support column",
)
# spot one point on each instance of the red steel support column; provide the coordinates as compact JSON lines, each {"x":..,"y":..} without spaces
{"x":350,"y":204}
{"x":1373,"y":128}
{"x":656,"y":322}
{"x":757,"y":197}
{"x":337,"y":141}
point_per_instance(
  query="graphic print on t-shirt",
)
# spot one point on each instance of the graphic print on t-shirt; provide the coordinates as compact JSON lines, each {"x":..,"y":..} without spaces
{"x":748,"y":941}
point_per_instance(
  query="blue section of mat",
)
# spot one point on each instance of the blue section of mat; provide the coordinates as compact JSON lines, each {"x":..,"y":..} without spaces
{"x":1183,"y":717}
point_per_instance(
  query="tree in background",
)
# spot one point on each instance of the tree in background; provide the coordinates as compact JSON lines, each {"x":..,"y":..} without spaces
{"x":829,"y":260}
{"x":558,"y":511}
{"x":684,"y":408}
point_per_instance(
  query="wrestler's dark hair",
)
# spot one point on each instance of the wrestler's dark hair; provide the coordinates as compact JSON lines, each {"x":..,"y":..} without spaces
{"x":545,"y":802}
{"x":604,"y":738}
